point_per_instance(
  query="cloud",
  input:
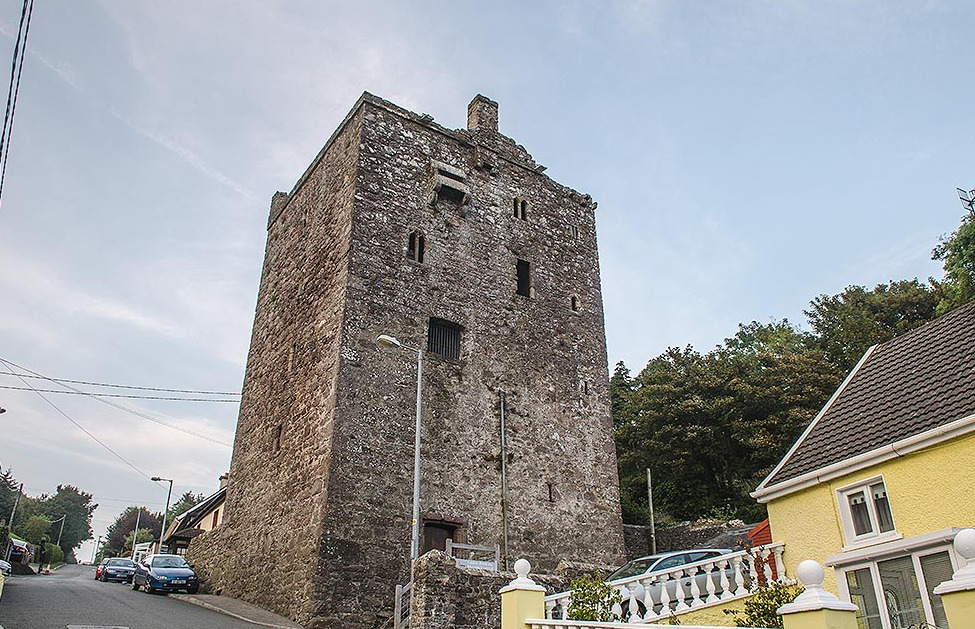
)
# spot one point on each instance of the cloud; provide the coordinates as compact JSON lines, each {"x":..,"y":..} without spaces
{"x":46,"y":287}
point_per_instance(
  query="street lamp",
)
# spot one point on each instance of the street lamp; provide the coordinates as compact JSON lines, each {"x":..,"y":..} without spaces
{"x":389,"y":341}
{"x":162,"y":533}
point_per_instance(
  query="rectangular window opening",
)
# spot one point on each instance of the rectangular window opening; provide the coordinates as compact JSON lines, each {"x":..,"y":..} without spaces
{"x":443,"y":338}
{"x":450,"y":195}
{"x":524,"y":278}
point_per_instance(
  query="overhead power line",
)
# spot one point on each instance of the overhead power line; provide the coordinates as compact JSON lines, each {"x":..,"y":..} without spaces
{"x":84,"y":430}
{"x":13,"y":90}
{"x":119,"y":395}
{"x":134,"y":387}
{"x":126,"y":409}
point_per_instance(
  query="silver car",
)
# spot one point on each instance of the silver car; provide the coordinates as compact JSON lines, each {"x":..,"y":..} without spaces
{"x":666,"y":562}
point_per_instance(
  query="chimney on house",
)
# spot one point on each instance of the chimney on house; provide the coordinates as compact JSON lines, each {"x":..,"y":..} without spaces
{"x":482,"y":114}
{"x":224,"y":479}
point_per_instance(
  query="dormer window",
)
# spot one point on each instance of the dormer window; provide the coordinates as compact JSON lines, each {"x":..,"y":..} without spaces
{"x":866,"y":512}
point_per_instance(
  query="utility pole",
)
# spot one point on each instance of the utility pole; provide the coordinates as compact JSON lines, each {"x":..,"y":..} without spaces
{"x":653,"y":530}
{"x":10,"y":522}
{"x":94,"y":551}
{"x":135,"y":533}
{"x":63,"y":518}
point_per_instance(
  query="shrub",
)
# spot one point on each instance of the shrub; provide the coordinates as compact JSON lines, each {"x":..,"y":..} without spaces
{"x":54,"y":554}
{"x":592,"y":599}
{"x":760,"y":607}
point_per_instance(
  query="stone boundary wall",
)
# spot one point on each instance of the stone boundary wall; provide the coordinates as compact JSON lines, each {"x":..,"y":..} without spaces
{"x":689,"y":535}
{"x":449,"y":597}
{"x":211,"y":555}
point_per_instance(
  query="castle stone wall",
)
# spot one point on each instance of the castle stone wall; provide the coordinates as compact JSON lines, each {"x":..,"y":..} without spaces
{"x":331,"y":497}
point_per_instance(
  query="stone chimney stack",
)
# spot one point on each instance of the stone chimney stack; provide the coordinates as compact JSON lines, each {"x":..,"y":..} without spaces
{"x":482,"y":114}
{"x":224,"y":479}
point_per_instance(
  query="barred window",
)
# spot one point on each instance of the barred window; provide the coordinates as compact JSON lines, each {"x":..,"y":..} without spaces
{"x":444,"y":338}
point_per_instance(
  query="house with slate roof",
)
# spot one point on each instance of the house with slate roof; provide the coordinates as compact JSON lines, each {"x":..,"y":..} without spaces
{"x":205,"y":516}
{"x":882,"y":479}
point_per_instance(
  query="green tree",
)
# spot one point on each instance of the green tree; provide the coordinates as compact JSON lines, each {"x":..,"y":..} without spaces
{"x":592,"y":599}
{"x":77,"y":508}
{"x":711,"y":426}
{"x":957,"y":251}
{"x":621,"y":387}
{"x":185,"y":502}
{"x":8,"y":495}
{"x":123,"y":526}
{"x":34,"y":529}
{"x":145,"y":535}
{"x":847,"y":324}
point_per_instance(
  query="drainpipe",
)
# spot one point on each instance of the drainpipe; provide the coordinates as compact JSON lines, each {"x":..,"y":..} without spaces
{"x":504,"y":484}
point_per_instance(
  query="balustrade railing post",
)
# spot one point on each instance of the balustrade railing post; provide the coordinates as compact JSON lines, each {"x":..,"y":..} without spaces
{"x":711,"y":586}
{"x":816,"y":608}
{"x":753,"y":572}
{"x":680,"y":593}
{"x":695,"y":588}
{"x":521,"y":599}
{"x":780,"y":574}
{"x":723,"y":567}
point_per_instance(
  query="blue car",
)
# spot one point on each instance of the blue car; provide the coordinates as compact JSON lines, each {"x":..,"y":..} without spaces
{"x":165,"y":573}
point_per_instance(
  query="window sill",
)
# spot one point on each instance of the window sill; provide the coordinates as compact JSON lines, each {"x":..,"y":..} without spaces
{"x":873,"y":540}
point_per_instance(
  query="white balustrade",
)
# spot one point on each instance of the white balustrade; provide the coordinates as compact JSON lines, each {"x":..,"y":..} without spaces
{"x":649,"y":598}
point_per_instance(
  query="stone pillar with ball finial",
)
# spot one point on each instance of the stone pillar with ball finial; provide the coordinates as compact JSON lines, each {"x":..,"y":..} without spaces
{"x":816,"y":608}
{"x":958,"y":594}
{"x":521,"y":599}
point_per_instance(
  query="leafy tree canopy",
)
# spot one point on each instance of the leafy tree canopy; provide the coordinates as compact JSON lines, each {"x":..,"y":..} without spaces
{"x":713,"y":425}
{"x":847,"y":324}
{"x":34,"y":529}
{"x":124,"y":524}
{"x":187,"y":501}
{"x":957,"y":251}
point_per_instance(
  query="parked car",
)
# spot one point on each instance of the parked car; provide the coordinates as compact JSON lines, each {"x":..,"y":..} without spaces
{"x":115,"y":569}
{"x":165,"y":573}
{"x":665,"y":562}
{"x":5,"y":567}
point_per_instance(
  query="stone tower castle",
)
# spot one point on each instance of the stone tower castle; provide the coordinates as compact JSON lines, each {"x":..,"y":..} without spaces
{"x":454,"y":242}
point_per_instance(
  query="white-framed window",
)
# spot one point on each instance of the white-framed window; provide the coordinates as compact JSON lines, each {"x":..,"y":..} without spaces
{"x":865,"y":511}
{"x":898,"y":592}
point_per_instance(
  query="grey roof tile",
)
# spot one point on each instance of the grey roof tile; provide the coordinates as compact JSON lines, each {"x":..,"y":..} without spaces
{"x":911,"y":384}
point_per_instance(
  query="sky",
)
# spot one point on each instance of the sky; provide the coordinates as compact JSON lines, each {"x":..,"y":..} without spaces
{"x":746,"y":156}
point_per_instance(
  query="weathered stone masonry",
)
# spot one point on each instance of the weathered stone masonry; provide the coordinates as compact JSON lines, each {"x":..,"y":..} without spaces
{"x":321,"y":477}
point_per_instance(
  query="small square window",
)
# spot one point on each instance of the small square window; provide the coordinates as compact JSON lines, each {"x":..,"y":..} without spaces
{"x":866,"y":512}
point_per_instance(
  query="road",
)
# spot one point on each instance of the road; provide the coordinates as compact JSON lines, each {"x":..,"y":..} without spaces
{"x":70,"y":597}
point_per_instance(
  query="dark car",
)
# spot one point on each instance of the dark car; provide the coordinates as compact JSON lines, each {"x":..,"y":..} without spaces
{"x":165,"y":573}
{"x":115,"y":569}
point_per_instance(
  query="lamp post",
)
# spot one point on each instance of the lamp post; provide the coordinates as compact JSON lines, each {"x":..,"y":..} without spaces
{"x":389,"y":341}
{"x":162,"y":533}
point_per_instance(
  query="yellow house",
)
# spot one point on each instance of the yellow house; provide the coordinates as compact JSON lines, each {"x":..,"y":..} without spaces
{"x":881,"y":481}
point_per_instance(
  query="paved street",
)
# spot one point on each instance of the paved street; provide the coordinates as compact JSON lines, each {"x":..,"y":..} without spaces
{"x":71,"y":597}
